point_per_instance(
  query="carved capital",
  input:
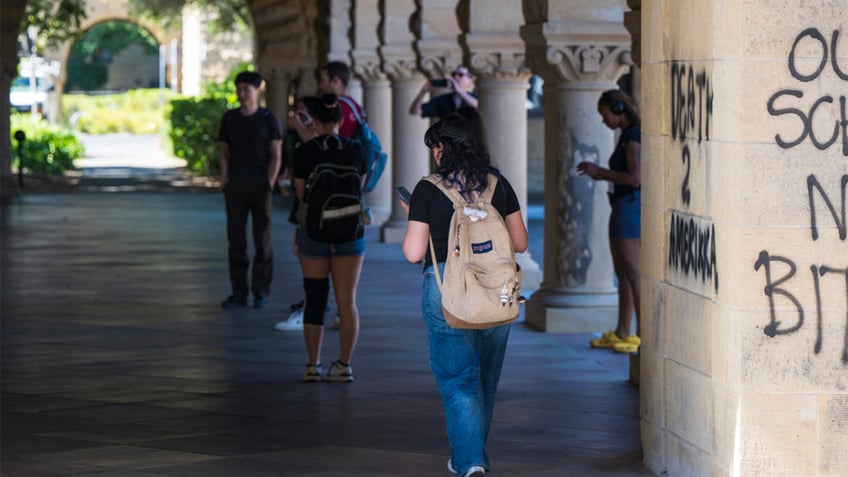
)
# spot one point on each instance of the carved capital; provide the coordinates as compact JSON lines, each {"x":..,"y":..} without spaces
{"x":499,"y":56}
{"x":500,"y":64}
{"x":582,"y":62}
{"x":570,"y":50}
{"x":401,"y":68}
{"x":438,"y":61}
{"x":368,"y":68}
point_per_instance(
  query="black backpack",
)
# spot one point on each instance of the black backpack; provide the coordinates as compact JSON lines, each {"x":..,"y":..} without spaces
{"x":333,"y":197}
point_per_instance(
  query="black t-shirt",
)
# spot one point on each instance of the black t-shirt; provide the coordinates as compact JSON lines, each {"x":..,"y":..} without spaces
{"x":618,"y":161}
{"x":323,"y":149}
{"x":441,"y":106}
{"x":431,"y":206}
{"x":249,"y":139}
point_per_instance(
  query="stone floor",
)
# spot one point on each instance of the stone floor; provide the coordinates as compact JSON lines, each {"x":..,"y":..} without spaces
{"x":118,"y":361}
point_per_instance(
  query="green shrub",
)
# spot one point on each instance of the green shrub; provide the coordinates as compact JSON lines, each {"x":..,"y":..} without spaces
{"x":194,"y":130}
{"x":47,"y":149}
{"x":138,"y":111}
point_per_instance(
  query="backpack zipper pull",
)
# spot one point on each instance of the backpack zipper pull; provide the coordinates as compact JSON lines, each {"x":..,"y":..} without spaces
{"x":505,"y":294}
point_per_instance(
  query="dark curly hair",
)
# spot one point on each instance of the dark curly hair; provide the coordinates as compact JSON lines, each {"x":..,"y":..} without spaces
{"x":465,"y":162}
{"x":328,"y":111}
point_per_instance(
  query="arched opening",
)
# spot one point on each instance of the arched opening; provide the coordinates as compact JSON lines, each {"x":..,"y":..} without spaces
{"x":113,"y":56}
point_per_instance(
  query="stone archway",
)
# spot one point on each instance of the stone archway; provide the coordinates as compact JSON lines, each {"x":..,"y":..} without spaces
{"x":97,"y":12}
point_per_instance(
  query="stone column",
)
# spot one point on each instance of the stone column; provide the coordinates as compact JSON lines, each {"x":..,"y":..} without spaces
{"x":497,"y":57}
{"x":744,"y":350}
{"x":410,"y":155}
{"x":578,"y":60}
{"x":277,"y":90}
{"x":378,"y":104}
{"x":340,"y":46}
{"x":377,"y":99}
{"x":192,"y":60}
{"x":412,"y":158}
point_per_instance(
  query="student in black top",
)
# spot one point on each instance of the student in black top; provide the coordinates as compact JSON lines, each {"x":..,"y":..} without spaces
{"x":251,"y":140}
{"x":620,"y":112}
{"x":322,"y":260}
{"x":461,"y":84}
{"x":466,"y":363}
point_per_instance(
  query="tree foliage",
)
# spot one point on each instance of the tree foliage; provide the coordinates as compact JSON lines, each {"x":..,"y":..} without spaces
{"x":57,"y":20}
{"x":231,"y":14}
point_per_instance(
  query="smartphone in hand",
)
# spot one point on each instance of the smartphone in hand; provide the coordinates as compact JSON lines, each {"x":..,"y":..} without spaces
{"x":403,"y":194}
{"x":439,"y":83}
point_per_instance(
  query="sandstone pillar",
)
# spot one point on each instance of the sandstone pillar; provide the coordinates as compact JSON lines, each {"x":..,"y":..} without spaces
{"x":579,"y":57}
{"x":497,"y":57}
{"x":377,"y":99}
{"x":277,"y":90}
{"x":745,"y":291}
{"x":410,"y":155}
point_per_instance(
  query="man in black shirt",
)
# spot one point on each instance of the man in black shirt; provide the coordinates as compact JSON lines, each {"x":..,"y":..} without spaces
{"x":251,"y":140}
{"x":461,"y":83}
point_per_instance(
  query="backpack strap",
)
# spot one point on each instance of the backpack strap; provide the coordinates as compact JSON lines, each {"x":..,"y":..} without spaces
{"x":360,"y":118}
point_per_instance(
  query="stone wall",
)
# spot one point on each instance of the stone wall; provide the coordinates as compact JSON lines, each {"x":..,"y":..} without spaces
{"x":744,"y":257}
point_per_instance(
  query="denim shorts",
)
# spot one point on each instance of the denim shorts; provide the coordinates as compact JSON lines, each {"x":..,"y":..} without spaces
{"x":308,"y":248}
{"x":626,"y":217}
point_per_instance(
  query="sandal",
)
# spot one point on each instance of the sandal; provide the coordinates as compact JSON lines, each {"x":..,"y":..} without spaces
{"x":629,"y":344}
{"x":607,"y":340}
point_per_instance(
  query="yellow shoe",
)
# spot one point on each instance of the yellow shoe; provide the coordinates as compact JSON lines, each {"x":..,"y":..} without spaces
{"x":606,"y":341}
{"x":629,"y":344}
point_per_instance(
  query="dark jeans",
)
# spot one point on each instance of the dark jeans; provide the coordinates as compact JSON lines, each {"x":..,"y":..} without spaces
{"x":249,"y":195}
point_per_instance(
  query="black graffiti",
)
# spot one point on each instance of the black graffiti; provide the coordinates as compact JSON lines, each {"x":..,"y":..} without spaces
{"x":806,"y":116}
{"x":815,"y":34}
{"x":692,"y":249}
{"x":841,"y":225}
{"x":776,"y":287}
{"x":685,"y":193}
{"x":807,"y":121}
{"x":691,"y":102}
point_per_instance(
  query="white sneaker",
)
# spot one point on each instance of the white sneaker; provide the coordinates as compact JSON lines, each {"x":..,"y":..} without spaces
{"x":476,"y":471}
{"x":335,"y":324}
{"x":293,"y":323}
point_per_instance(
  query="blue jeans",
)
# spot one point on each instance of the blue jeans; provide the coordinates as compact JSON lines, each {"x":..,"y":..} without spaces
{"x":467,"y":367}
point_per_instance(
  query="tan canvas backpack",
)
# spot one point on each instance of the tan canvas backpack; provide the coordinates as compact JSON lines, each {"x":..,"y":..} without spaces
{"x":482,"y":281}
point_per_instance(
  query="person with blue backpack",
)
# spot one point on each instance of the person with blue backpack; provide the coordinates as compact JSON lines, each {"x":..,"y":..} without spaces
{"x":335,"y":77}
{"x":329,"y":171}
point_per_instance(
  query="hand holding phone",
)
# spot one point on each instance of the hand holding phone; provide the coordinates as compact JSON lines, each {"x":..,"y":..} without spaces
{"x":403,"y":194}
{"x":304,"y":118}
{"x":439,"y":83}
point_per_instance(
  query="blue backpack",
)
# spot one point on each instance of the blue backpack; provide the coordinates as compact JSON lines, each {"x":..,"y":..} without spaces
{"x":365,"y":136}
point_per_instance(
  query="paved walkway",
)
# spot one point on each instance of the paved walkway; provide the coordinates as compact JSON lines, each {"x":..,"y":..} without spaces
{"x":118,"y":361}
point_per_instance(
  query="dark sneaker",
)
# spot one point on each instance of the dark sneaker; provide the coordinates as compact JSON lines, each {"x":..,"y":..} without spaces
{"x":339,"y":373}
{"x":260,"y":302}
{"x":232,"y":302}
{"x":296,"y":306}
